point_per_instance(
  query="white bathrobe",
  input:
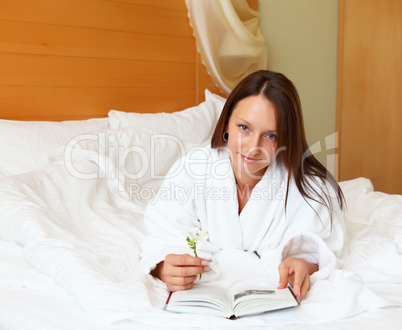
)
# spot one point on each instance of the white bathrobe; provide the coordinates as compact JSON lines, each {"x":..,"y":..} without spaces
{"x":200,"y":192}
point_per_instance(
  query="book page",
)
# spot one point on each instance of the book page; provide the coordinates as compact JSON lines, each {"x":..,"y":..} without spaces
{"x":242,"y":275}
{"x":252,"y":285}
{"x":254,"y":281}
{"x":201,"y":299}
{"x":250,"y":302}
{"x":244,"y":295}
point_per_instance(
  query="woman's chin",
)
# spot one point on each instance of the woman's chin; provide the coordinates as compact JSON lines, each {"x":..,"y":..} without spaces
{"x":254,"y":170}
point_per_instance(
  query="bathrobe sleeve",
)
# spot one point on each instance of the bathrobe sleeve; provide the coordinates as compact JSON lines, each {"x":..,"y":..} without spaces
{"x":172,"y":216}
{"x":310,"y":233}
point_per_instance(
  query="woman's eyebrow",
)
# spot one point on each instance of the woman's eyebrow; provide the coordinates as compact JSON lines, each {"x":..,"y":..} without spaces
{"x":248,"y":124}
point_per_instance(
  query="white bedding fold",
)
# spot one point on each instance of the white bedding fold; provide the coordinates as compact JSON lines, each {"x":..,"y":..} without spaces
{"x":374,"y":224}
{"x":81,"y":233}
{"x":83,"y":237}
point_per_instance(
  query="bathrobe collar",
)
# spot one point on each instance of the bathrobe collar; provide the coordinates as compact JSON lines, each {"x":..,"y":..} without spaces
{"x":244,"y":231}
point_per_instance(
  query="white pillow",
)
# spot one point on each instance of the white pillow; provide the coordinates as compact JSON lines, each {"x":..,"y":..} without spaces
{"x":138,"y":159}
{"x":27,"y":145}
{"x":149,"y":144}
{"x":193,"y":125}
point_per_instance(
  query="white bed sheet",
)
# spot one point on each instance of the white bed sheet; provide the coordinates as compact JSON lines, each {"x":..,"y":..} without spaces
{"x":69,"y":256}
{"x":22,"y":309}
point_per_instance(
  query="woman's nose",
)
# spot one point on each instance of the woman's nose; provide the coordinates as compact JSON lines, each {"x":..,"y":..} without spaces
{"x":253,"y":145}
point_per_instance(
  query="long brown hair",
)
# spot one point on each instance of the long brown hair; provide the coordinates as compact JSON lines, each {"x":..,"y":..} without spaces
{"x":291,"y":139}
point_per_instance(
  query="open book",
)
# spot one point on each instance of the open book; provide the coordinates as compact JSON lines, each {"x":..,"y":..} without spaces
{"x":212,"y":300}
{"x":242,"y":287}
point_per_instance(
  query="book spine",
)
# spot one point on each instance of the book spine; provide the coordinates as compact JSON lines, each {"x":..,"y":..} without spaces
{"x":291,"y":291}
{"x":167,"y":300}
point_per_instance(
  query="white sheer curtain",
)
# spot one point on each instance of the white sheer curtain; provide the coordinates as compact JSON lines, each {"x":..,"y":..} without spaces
{"x":228,"y":38}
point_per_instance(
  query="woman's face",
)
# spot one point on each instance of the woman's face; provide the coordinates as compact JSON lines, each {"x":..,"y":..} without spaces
{"x":252,"y":137}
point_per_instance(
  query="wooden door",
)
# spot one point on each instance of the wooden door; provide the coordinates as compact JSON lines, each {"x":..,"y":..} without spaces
{"x":370,"y":92}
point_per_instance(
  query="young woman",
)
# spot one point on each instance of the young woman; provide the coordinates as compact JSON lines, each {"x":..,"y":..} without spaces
{"x":257,"y":189}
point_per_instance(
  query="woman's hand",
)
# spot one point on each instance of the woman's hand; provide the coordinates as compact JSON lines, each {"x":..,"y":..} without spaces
{"x":296,"y":272}
{"x":179,"y":271}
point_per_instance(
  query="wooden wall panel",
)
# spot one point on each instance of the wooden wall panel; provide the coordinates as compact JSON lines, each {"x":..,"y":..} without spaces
{"x":75,"y":59}
{"x":100,"y":14}
{"x":35,"y":38}
{"x":370,"y":100}
{"x":58,"y":71}
{"x":204,"y":81}
{"x":169,"y":4}
{"x":61,"y":103}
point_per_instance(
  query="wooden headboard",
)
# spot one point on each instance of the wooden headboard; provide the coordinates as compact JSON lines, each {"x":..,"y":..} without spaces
{"x":75,"y":59}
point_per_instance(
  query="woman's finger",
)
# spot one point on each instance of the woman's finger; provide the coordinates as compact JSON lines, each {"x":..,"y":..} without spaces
{"x":185,"y":260}
{"x":181,"y":281}
{"x":185,"y":271}
{"x":180,"y":271}
{"x":174,"y":287}
{"x":305,"y":286}
{"x":299,"y":277}
{"x":283,"y":270}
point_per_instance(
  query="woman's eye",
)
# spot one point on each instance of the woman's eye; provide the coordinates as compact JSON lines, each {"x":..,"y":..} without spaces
{"x":271,"y":136}
{"x":243,"y":127}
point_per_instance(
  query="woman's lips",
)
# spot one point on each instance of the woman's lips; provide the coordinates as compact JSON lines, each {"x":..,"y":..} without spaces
{"x":249,"y":160}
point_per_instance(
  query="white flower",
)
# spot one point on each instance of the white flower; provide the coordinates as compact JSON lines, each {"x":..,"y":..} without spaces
{"x":195,"y":236}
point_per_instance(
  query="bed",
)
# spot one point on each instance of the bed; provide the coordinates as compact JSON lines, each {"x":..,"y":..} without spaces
{"x":73,"y":191}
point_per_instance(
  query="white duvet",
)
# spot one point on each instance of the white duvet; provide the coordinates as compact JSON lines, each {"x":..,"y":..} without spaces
{"x":81,"y":238}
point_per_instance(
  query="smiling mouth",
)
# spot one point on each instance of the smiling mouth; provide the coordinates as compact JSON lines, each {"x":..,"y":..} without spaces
{"x":250,"y":160}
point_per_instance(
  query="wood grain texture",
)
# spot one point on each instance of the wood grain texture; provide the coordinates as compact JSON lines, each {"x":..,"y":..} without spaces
{"x":204,"y":81}
{"x":59,"y":71}
{"x":61,"y":103}
{"x":100,"y":14}
{"x":169,"y":4}
{"x":37,"y":38}
{"x":370,"y":100}
{"x":339,"y":77}
{"x":74,"y":59}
